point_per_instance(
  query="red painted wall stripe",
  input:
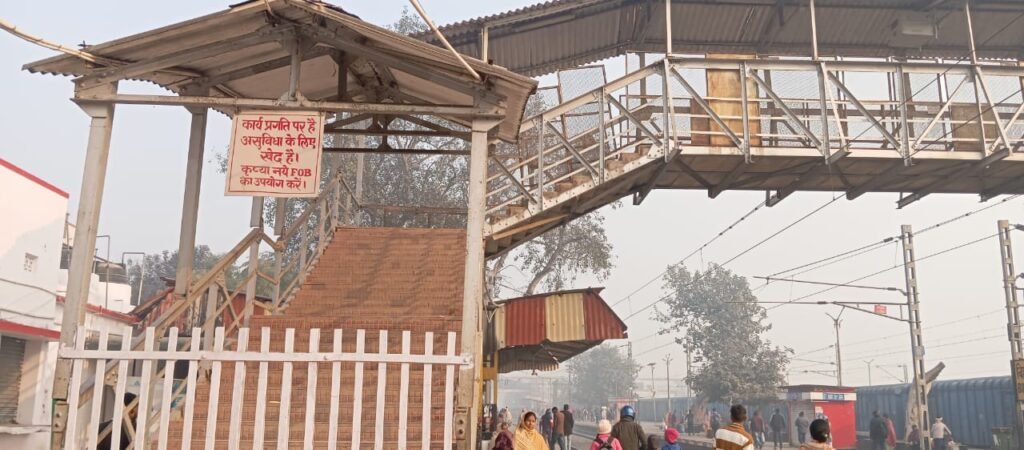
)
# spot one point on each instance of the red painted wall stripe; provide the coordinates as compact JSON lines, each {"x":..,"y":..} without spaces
{"x":26,"y":330}
{"x":33,"y":178}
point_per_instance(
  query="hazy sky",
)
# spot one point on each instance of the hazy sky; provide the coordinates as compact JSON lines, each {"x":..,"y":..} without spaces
{"x":961,"y":292}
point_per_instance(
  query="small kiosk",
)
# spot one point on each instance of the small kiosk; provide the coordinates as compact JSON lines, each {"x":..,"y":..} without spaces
{"x":833,"y":403}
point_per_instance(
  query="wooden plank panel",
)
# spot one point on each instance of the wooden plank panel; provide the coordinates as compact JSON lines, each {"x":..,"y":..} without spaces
{"x":428,"y":374}
{"x":120,"y":386}
{"x":357,"y":391}
{"x":168,"y":390}
{"x":238,"y":394}
{"x":261,"y":392}
{"x":286,"y":392}
{"x":449,"y":393}
{"x":93,"y":424}
{"x":190,"y":392}
{"x":403,"y":394}
{"x":332,"y":431}
{"x":314,"y":347}
{"x":382,"y":386}
{"x":726,"y":84}
{"x":145,"y":388}
{"x":211,"y":418}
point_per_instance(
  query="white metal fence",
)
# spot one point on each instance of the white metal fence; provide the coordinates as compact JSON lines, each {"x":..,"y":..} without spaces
{"x":186,"y":408}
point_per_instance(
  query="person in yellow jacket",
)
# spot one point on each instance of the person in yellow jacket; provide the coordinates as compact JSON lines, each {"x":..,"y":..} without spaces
{"x":527,"y":436}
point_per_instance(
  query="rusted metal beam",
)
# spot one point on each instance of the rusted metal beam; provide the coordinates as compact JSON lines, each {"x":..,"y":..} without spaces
{"x":293,"y":105}
{"x":971,"y":169}
{"x":728,"y":180}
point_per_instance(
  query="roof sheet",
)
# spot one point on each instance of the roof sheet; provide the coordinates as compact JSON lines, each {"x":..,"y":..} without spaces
{"x":541,"y":331}
{"x":559,"y":34}
{"x":253,"y":64}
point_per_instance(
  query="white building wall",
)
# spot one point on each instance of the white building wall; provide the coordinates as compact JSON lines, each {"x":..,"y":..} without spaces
{"x":32,"y":225}
{"x":31,"y":237}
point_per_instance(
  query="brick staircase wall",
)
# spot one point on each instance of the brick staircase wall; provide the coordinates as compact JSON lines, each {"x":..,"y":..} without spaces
{"x":368,"y":278}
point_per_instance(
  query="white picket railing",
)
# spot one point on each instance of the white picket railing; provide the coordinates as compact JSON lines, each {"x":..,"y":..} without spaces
{"x":167,"y":400}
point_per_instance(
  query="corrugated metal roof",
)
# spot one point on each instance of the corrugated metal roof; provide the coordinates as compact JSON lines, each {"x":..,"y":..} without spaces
{"x":559,"y":34}
{"x":541,"y":331}
{"x":259,"y":69}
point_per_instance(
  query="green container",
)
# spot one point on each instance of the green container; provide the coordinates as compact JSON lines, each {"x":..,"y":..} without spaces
{"x":1003,"y":439}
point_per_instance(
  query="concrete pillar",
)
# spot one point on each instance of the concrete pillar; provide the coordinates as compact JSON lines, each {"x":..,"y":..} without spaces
{"x":190,"y":203}
{"x":88,"y":218}
{"x":473,"y":289}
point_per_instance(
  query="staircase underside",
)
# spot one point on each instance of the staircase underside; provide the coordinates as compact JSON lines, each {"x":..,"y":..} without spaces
{"x":778,"y":171}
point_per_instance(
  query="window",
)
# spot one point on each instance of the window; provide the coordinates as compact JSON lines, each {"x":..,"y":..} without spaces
{"x":30,"y":262}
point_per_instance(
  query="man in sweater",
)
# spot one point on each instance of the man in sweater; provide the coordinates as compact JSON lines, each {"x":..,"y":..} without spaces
{"x":734,"y":436}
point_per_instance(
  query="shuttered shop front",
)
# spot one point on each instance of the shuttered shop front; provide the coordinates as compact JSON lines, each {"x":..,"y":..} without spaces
{"x":12,"y":353}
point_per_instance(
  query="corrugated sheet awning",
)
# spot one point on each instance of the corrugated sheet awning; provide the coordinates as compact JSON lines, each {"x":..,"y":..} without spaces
{"x":560,"y":34}
{"x":238,"y":52}
{"x":541,"y":331}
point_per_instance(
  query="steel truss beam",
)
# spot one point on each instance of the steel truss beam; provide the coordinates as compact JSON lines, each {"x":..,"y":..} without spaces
{"x":728,"y":180}
{"x":575,"y":153}
{"x":789,"y":113}
{"x":971,"y":169}
{"x":515,"y":182}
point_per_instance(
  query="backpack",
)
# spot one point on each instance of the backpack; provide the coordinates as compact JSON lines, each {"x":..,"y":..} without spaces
{"x":605,"y":445}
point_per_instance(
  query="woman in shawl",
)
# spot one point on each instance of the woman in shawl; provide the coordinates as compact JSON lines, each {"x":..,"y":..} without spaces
{"x":527,"y":436}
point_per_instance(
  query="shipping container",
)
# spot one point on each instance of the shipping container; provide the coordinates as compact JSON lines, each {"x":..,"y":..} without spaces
{"x":971,"y":408}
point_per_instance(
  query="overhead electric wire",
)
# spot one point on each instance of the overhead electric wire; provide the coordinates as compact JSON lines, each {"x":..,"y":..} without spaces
{"x":895,"y":266}
{"x":882,"y":338}
{"x":848,"y":254}
{"x":694,"y":252}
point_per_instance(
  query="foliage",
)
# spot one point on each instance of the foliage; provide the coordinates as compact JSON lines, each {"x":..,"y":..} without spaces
{"x":724,"y":327}
{"x":164,"y":265}
{"x":602,"y":374}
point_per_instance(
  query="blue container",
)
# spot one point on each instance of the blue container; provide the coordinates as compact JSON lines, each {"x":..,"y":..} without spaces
{"x":971,"y":408}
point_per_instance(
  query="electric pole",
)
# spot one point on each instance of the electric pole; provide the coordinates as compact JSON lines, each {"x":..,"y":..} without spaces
{"x":920,"y":394}
{"x":839,"y":354}
{"x":869,"y":371}
{"x":1013,"y":327}
{"x":654,"y":409}
{"x":689,"y":390}
{"x":668,"y":387}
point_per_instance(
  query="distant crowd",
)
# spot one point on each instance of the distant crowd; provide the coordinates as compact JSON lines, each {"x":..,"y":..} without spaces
{"x":555,"y":427}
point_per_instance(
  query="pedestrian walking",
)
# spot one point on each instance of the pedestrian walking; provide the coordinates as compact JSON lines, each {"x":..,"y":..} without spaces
{"x":689,"y":422}
{"x":914,"y":438}
{"x":604,"y":439}
{"x":629,"y":433}
{"x":503,"y":440}
{"x":546,"y":422}
{"x":716,"y":422}
{"x":733,"y":436}
{"x":557,"y":429}
{"x":890,"y":432}
{"x":802,"y":426}
{"x":940,"y":434}
{"x":527,"y":436}
{"x":570,"y":423}
{"x":671,"y":440}
{"x":821,"y":435}
{"x":757,"y":429}
{"x":778,"y":426}
{"x":877,"y":431}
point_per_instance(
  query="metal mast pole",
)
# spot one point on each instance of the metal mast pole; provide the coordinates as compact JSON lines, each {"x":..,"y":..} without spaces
{"x":668,"y":387}
{"x":920,"y":394}
{"x":839,"y":354}
{"x":1013,"y":326}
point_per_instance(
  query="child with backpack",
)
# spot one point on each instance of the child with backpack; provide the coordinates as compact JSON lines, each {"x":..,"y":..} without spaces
{"x":604,"y":439}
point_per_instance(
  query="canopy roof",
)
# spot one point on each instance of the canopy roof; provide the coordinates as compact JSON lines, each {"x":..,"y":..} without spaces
{"x":560,"y":34}
{"x":541,"y":331}
{"x":238,"y":53}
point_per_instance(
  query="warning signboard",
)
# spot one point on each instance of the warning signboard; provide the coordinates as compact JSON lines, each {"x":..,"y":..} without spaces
{"x":881,"y":309}
{"x":1018,"y":378}
{"x":275,"y":154}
